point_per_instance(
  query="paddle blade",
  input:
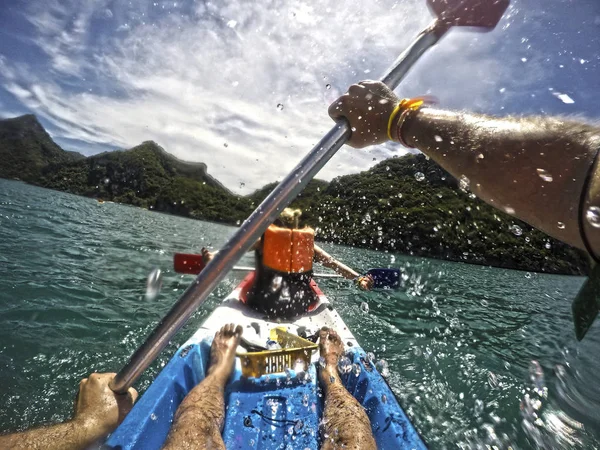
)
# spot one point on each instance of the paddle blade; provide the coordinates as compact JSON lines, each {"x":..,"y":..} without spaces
{"x":385,"y":278}
{"x":585,"y":306}
{"x":188,"y":263}
{"x":469,"y":13}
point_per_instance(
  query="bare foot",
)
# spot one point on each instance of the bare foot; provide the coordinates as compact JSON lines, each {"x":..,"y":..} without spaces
{"x":331,"y":348}
{"x":222,"y":350}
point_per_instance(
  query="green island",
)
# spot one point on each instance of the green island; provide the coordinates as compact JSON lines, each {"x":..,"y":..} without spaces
{"x":405,"y":204}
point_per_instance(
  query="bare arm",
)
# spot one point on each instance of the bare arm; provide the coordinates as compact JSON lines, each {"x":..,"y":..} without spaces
{"x":533,"y":168}
{"x":98,"y":411}
{"x":72,"y":435}
{"x":542,"y":170}
{"x":330,"y":262}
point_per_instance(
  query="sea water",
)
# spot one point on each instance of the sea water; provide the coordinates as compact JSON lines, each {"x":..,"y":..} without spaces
{"x":476,"y":355}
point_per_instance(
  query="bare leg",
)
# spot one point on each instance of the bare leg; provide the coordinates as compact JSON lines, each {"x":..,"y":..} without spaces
{"x":345,"y":420}
{"x":199,"y":419}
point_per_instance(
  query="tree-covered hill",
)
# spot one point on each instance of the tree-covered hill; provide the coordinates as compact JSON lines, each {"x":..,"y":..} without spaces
{"x":148,"y":176}
{"x":407,"y":204}
{"x":26,"y":148}
{"x":411,"y":205}
{"x":307,"y":201}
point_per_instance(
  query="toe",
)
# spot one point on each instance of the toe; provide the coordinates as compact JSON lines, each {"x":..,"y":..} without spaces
{"x":239,"y":330}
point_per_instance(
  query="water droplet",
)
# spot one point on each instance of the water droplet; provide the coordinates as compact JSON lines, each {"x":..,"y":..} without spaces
{"x":478,"y":409}
{"x":344,"y":364}
{"x":322,"y":362}
{"x":563,"y":98}
{"x":225,"y":144}
{"x":544,"y":175}
{"x":356,"y":369}
{"x":536,"y":374}
{"x":364,"y":307}
{"x":298,"y":426}
{"x":492,"y":380}
{"x":371,"y":356}
{"x":153,"y":416}
{"x":560,"y":225}
{"x":593,"y":216}
{"x":276,"y":283}
{"x":305,"y":400}
{"x":524,"y":59}
{"x":527,"y":275}
{"x":383,"y":368}
{"x":516,"y":230}
{"x":548,"y":245}
{"x":153,"y":284}
{"x":280,"y":106}
{"x":461,"y":395}
{"x":106,"y":180}
{"x":383,"y":398}
{"x":327,"y":86}
{"x":561,"y":373}
{"x":464,"y":183}
{"x":299,"y":365}
{"x":419,"y":176}
{"x":438,"y":138}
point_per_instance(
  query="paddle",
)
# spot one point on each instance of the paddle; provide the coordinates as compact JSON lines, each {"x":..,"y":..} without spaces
{"x":385,"y":278}
{"x":476,"y":13}
{"x":585,"y":305}
{"x":190,"y":263}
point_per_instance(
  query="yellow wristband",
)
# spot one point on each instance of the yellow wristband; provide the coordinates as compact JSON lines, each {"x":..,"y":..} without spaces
{"x":391,"y":120}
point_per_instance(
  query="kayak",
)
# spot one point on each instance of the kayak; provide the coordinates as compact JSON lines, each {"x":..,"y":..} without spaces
{"x":279,"y":409}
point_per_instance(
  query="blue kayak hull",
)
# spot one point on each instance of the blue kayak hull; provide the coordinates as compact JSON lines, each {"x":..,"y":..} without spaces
{"x":276,"y":411}
{"x":263,"y":413}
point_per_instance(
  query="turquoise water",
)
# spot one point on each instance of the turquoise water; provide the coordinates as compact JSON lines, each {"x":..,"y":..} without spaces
{"x":459,"y":339}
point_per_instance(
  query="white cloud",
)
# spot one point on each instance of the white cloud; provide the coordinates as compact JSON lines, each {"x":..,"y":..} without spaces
{"x":199,"y":75}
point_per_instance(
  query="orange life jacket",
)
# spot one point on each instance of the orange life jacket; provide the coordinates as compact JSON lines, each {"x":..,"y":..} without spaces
{"x":288,"y":251}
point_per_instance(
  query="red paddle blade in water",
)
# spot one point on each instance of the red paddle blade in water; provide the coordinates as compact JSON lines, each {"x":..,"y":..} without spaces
{"x":188,"y":263}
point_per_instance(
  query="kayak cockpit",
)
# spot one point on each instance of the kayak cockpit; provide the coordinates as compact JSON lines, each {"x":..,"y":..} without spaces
{"x":274,"y":411}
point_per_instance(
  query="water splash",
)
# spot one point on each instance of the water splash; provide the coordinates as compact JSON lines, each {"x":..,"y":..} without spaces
{"x":153,"y":284}
{"x":592,"y":215}
{"x":383,"y":367}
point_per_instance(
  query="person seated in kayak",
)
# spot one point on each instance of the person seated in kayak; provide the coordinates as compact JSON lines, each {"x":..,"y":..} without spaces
{"x":199,"y":419}
{"x":542,"y":170}
{"x":98,"y":412}
{"x":284,"y":261}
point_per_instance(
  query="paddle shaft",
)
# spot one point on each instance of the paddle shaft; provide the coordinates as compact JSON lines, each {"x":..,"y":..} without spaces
{"x":197,"y":293}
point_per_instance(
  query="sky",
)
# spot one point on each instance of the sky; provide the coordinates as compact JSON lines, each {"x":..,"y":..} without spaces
{"x":244,"y":86}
